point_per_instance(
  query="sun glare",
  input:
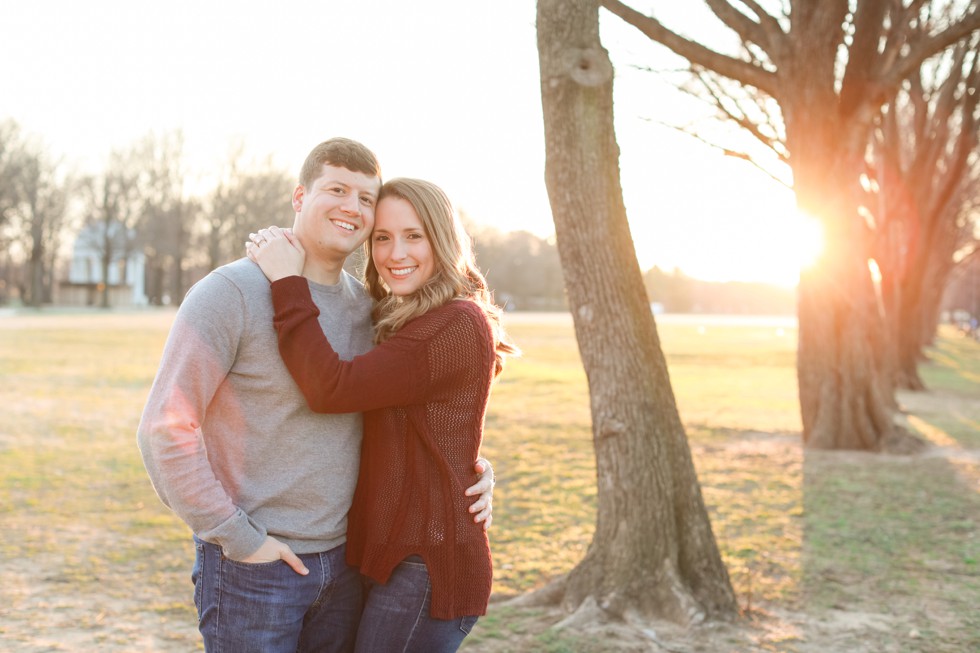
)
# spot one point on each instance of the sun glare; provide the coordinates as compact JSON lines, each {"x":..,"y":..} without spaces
{"x":750,"y":243}
{"x":808,"y":237}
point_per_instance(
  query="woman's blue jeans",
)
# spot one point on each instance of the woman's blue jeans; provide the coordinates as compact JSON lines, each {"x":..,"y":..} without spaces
{"x":396,"y":616}
{"x":269,"y":608}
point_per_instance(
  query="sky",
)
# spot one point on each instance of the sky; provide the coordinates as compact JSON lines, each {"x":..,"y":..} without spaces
{"x":445,"y":90}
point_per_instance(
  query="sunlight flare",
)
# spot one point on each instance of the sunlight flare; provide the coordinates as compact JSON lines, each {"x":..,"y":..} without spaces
{"x":808,"y":239}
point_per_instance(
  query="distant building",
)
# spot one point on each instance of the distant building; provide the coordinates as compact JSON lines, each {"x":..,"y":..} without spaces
{"x":127,"y":272}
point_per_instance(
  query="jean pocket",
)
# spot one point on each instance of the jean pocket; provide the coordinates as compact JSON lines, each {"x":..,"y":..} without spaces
{"x":466,"y":624}
{"x":197,"y":576}
{"x":253,"y":565}
{"x":413,"y":562}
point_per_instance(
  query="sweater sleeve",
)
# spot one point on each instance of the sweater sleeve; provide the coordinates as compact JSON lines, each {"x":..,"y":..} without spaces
{"x":391,"y":374}
{"x":199,"y":352}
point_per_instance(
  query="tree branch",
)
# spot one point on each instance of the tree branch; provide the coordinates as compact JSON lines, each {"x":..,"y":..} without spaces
{"x":861,"y":57}
{"x":741,"y":117}
{"x":730,"y":153}
{"x":696,"y":53}
{"x":928,"y":46}
{"x":966,"y":141}
{"x":747,"y":29}
{"x":899,"y":24}
{"x":768,"y":22}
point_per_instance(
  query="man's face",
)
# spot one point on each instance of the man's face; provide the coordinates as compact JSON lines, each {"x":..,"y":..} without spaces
{"x":335,"y":212}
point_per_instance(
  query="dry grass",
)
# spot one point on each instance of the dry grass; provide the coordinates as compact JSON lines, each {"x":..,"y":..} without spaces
{"x":832,"y":552}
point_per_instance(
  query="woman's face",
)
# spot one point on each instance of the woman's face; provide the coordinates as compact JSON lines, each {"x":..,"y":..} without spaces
{"x":400,"y":248}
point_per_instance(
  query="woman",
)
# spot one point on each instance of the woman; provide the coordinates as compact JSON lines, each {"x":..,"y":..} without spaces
{"x":424,"y":390}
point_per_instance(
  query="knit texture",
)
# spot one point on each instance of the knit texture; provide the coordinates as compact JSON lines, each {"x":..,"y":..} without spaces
{"x":424,"y":393}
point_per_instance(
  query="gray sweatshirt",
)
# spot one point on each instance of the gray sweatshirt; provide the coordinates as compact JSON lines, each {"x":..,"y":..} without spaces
{"x":226,"y":435}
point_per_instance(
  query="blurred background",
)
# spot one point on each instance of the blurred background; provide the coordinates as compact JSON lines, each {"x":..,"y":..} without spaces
{"x":157,"y":136}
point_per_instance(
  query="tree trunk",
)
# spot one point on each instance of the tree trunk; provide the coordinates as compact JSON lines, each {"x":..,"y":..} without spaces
{"x":846,"y":396}
{"x":179,"y":255}
{"x":653,"y":554}
{"x":908,"y":323}
{"x":37,"y":261}
{"x":105,"y":263}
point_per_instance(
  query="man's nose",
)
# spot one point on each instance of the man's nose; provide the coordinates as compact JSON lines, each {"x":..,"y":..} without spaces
{"x":352,"y":204}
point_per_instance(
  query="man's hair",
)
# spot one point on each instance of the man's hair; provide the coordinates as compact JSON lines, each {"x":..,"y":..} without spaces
{"x":342,"y":153}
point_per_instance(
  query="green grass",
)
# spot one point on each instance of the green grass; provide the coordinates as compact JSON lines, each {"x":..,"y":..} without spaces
{"x":803,"y":533}
{"x":906,"y":528}
{"x":539,"y":439}
{"x":83,"y":525}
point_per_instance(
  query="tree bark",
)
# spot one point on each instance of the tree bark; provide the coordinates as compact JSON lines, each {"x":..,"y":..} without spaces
{"x":845,"y":398}
{"x":653,"y":554}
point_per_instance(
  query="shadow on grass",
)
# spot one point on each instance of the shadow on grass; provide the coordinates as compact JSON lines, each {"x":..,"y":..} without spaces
{"x":890,"y":545}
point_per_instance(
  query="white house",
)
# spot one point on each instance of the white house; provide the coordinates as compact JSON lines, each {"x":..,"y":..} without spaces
{"x":127,"y":271}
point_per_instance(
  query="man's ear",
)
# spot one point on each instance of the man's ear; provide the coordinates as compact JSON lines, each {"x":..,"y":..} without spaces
{"x":298,"y":194}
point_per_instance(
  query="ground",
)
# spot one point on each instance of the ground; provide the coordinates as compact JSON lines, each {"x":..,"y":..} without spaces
{"x":827,"y":551}
{"x":43,"y":612}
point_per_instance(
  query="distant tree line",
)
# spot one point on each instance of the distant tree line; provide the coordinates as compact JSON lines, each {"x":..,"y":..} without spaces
{"x":675,"y":292}
{"x":146,"y":201}
{"x":522,"y":268}
{"x":141,"y":201}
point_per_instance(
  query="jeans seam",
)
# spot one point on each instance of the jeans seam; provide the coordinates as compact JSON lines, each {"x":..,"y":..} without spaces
{"x":418,"y":617}
{"x":325,"y":568}
{"x":217,"y":600}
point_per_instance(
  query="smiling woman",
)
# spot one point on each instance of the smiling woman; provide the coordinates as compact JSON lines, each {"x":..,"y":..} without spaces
{"x":400,"y":249}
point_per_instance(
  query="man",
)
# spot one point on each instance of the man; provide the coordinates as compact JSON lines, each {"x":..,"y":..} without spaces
{"x":232,"y":448}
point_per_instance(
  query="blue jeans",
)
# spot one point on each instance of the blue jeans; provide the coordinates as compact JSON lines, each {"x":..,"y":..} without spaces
{"x":396,"y":616}
{"x":269,"y":608}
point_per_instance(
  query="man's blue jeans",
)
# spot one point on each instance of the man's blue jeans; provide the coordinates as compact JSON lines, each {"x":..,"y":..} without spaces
{"x":269,"y":608}
{"x":396,"y":616}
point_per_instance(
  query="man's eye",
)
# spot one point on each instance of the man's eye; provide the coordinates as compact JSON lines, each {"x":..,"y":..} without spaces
{"x":367,"y":201}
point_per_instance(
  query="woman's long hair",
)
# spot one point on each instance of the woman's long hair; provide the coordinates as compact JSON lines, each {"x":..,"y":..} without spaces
{"x":455,"y":277}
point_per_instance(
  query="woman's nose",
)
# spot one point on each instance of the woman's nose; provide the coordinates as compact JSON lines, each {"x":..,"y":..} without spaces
{"x":398,"y":249}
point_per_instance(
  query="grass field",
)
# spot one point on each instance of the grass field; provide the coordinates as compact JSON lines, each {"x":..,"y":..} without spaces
{"x":827,"y":552}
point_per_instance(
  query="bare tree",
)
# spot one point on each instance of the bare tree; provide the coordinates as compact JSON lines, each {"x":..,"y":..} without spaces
{"x":167,"y":217}
{"x":248,"y":196}
{"x":653,"y":553}
{"x":34,"y":192}
{"x":11,"y":146}
{"x":11,"y":170}
{"x":827,"y":67}
{"x":925,"y":170}
{"x":522,"y":269}
{"x":42,"y":214}
{"x":114,"y":210}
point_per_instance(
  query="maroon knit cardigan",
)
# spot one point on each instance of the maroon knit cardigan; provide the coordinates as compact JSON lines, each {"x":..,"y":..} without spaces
{"x":424,"y":395}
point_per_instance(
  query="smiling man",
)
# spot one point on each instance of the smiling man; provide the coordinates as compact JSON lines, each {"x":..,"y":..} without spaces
{"x":232,"y":448}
